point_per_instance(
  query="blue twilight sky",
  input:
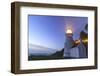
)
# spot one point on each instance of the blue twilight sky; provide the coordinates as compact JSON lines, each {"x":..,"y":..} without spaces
{"x":49,"y":31}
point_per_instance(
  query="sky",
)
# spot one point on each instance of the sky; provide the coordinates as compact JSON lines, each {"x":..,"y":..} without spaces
{"x":49,"y":31}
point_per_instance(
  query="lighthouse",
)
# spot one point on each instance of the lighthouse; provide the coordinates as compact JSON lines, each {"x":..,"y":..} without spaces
{"x":69,"y":42}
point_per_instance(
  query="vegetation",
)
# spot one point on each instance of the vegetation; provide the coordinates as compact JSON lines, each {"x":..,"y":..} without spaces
{"x":57,"y":55}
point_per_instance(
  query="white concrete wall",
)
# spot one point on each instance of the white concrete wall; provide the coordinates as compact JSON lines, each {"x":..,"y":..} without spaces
{"x":74,"y":52}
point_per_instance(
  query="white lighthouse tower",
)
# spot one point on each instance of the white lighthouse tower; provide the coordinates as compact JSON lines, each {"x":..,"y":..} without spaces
{"x":69,"y":42}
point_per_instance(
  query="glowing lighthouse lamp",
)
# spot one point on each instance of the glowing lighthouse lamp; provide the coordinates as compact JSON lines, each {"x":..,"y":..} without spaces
{"x":69,"y":31}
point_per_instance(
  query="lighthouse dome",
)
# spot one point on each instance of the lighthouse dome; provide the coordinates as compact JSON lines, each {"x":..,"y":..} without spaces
{"x":69,"y":31}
